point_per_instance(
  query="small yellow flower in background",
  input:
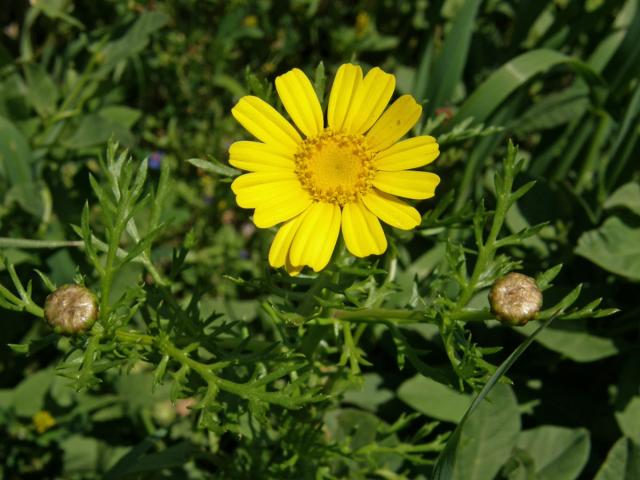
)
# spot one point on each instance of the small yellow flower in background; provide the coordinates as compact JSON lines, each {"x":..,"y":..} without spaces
{"x":43,"y":421}
{"x":342,"y":177}
{"x":362,"y":23}
{"x":250,"y":21}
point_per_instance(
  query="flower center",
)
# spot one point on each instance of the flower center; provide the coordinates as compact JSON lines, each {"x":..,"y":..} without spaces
{"x":335,"y":167}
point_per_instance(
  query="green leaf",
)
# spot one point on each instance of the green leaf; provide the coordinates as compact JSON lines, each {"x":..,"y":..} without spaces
{"x":370,"y":395}
{"x":554,"y":110}
{"x":94,"y":129}
{"x":55,"y":9}
{"x":629,"y":419}
{"x":360,"y":429}
{"x":138,"y":461}
{"x":488,"y":436}
{"x":134,"y":40}
{"x":622,"y":462}
{"x":15,"y":165}
{"x":43,"y":92}
{"x":445,"y":465}
{"x":214,"y":166}
{"x":28,"y":396}
{"x":512,"y":75}
{"x":81,"y":454}
{"x":434,"y":399}
{"x":34,"y":346}
{"x":449,"y":66}
{"x":558,"y":453}
{"x":120,"y":114}
{"x":627,"y":405}
{"x":573,"y":341}
{"x":615,"y":246}
{"x":627,"y":196}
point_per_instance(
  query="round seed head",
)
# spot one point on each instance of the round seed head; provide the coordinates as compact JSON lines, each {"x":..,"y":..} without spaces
{"x":71,"y":309}
{"x":515,"y":299}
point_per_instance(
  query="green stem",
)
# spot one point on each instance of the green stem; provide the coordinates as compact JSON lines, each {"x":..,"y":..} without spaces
{"x":6,"y":242}
{"x":374,"y":314}
{"x":206,"y":371}
{"x":488,"y":249}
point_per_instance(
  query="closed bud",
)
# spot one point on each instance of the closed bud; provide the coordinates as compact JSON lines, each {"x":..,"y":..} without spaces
{"x":515,"y":299}
{"x":71,"y":309}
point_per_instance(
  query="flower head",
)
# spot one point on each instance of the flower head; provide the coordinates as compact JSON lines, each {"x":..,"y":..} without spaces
{"x":515,"y":299}
{"x":71,"y":309}
{"x":342,"y":175}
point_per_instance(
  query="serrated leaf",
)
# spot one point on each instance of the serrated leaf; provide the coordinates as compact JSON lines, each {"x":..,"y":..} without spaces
{"x":544,"y":279}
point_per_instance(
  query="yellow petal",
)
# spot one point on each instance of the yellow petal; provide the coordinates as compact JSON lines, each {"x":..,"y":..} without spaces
{"x":254,"y":189}
{"x":369,"y":101}
{"x":301,"y":102}
{"x":407,"y":183}
{"x":347,"y":80}
{"x":279,"y":251}
{"x":287,"y":204}
{"x":259,"y":157}
{"x":362,"y":232}
{"x":316,"y":238}
{"x":265,"y":123}
{"x":412,"y":153}
{"x":399,"y":118}
{"x":391,"y":210}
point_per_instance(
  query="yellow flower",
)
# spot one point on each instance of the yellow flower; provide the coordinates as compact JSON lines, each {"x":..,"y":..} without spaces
{"x":344,"y":176}
{"x":43,"y":421}
{"x":250,"y":21}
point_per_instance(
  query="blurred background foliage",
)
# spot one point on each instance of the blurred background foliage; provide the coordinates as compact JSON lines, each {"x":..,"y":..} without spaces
{"x":561,"y":78}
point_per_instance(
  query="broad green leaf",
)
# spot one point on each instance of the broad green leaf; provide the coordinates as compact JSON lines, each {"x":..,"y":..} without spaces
{"x":615,"y":246}
{"x":622,"y":462}
{"x":121,"y":114}
{"x":514,"y":74}
{"x":488,"y":436}
{"x":135,"y":391}
{"x":95,"y":129}
{"x":434,"y":399}
{"x":627,"y":406}
{"x":15,"y":165}
{"x":81,"y":454}
{"x":134,"y":40}
{"x":43,"y":92}
{"x":361,"y":428}
{"x":573,"y":341}
{"x":558,"y":453}
{"x":370,"y":395}
{"x":55,"y":9}
{"x":627,"y":196}
{"x":138,"y":461}
{"x":29,"y":396}
{"x":629,"y":419}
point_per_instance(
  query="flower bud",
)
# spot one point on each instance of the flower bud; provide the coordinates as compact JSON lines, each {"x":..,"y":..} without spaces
{"x":515,"y":299}
{"x":71,"y":309}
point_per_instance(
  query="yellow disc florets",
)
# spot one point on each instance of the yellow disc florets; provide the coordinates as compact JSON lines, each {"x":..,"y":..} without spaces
{"x":335,"y":167}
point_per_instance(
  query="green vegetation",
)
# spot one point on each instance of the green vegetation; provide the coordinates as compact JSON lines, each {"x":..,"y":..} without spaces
{"x":206,"y":363}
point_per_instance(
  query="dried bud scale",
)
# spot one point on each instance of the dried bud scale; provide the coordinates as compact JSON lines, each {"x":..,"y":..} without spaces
{"x":71,"y":309}
{"x":515,"y":299}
